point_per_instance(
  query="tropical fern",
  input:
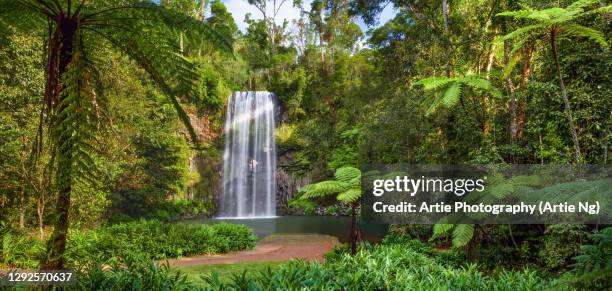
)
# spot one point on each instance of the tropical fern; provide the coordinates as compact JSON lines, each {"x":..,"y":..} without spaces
{"x":454,"y":87}
{"x":552,"y":24}
{"x":462,"y":235}
{"x":347,"y":186}
{"x":596,"y":257}
{"x":498,"y":189}
{"x":144,"y":31}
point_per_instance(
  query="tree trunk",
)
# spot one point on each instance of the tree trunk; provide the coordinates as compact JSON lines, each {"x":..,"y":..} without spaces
{"x":54,"y":259}
{"x":487,"y":101}
{"x":353,"y":234}
{"x":568,"y":108}
{"x":449,"y":50}
{"x":512,"y":103}
{"x":526,"y":72}
{"x":40,"y":210}
{"x":22,"y":200}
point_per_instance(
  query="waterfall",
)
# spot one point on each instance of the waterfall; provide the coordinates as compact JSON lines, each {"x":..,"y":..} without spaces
{"x":249,"y":159}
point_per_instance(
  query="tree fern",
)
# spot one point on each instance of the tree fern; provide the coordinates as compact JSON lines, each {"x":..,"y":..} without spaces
{"x":554,"y":23}
{"x":348,"y":187}
{"x":144,"y":31}
{"x":453,"y":91}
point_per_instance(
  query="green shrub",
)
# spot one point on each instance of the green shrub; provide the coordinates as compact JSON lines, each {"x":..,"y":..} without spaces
{"x":239,"y":236}
{"x":593,"y":267}
{"x":305,"y":205}
{"x":132,"y":273}
{"x":412,"y":231}
{"x":20,"y":251}
{"x":154,"y":240}
{"x":561,"y":243}
{"x":382,"y":267}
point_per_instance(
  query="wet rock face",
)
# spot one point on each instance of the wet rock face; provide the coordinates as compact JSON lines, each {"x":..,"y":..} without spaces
{"x":287,"y":186}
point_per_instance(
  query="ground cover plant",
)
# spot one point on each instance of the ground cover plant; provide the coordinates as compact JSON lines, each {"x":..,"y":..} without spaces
{"x":145,"y":239}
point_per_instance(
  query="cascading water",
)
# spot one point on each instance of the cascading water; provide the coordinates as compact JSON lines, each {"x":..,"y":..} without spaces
{"x":249,"y":160}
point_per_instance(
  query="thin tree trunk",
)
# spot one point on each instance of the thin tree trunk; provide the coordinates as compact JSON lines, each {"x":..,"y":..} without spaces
{"x":568,"y":108}
{"x":40,"y":210}
{"x":487,"y":101}
{"x":353,"y":235}
{"x":541,"y":149}
{"x":22,"y":201}
{"x":512,"y":103}
{"x":54,"y":259}
{"x":526,"y":72}
{"x":449,"y":50}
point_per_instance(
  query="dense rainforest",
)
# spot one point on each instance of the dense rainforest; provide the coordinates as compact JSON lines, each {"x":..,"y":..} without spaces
{"x":111,"y":127}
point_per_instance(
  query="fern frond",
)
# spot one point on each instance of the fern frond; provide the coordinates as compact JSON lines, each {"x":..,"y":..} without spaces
{"x":522,"y":31}
{"x":433,"y":102}
{"x":346,"y":174}
{"x":523,"y":13}
{"x":462,"y":235}
{"x":581,"y":4}
{"x":433,"y":82}
{"x":349,"y":196}
{"x":75,"y":123}
{"x":600,"y":10}
{"x":322,"y":189}
{"x":452,"y":95}
{"x":476,"y":82}
{"x":502,"y":191}
{"x":441,"y":229}
{"x":583,"y":31}
{"x":23,"y":16}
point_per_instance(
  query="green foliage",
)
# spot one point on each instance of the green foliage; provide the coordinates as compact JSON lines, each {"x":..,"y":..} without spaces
{"x":452,"y":94}
{"x":558,"y":18}
{"x":143,"y":239}
{"x":157,"y":241}
{"x":395,"y":266}
{"x":132,"y":273}
{"x":346,"y":154}
{"x":347,"y":185}
{"x":307,"y":206}
{"x":287,"y":138}
{"x":462,"y":234}
{"x":561,"y":243}
{"x":411,"y":231}
{"x":593,"y":267}
{"x":19,"y":251}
